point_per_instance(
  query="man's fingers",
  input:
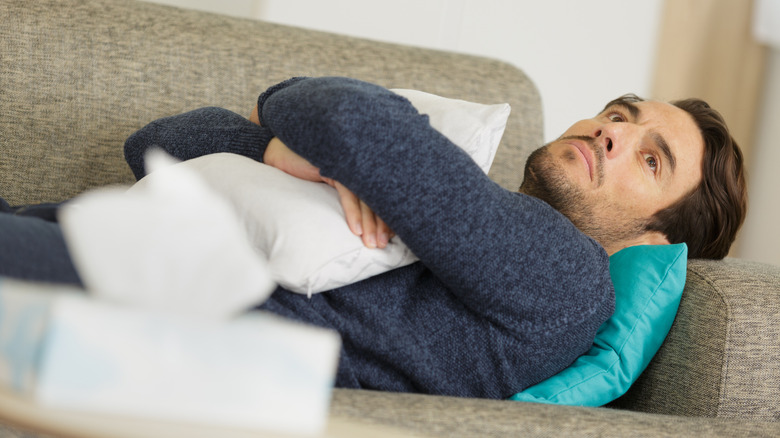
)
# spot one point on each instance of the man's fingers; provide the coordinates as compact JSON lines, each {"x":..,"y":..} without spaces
{"x":362,"y":221}
{"x":383,"y":232}
{"x":351,"y":205}
{"x":360,"y":218}
{"x":369,"y":226}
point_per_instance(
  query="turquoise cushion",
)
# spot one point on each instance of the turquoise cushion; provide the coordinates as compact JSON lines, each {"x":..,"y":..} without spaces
{"x":648,"y":281}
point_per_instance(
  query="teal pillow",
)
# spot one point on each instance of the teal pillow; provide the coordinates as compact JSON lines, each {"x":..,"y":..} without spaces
{"x":648,"y":281}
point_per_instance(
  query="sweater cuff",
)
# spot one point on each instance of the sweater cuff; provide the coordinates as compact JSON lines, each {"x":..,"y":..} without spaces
{"x":253,"y":142}
{"x":273,"y":89}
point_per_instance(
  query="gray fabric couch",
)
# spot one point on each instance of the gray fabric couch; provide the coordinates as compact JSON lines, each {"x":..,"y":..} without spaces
{"x":78,"y":76}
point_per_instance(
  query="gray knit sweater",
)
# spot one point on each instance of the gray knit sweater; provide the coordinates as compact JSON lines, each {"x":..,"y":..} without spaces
{"x":507,"y":291}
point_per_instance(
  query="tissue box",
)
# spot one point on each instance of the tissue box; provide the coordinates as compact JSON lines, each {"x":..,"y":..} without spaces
{"x":257,"y":371}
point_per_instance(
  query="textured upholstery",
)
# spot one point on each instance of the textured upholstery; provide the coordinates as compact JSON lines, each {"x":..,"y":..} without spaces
{"x":78,"y":76}
{"x":722,"y":356}
{"x":435,"y":416}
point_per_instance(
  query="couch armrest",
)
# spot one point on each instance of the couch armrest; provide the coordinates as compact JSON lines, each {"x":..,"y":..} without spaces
{"x":722,"y":355}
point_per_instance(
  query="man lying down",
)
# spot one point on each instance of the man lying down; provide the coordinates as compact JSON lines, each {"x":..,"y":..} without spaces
{"x":510,"y":287}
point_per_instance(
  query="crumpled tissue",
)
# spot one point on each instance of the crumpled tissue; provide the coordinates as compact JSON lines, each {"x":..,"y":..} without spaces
{"x":163,"y":330}
{"x":175,"y":245}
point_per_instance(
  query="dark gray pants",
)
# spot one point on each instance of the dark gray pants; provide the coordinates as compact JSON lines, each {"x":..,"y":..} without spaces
{"x":32,"y":246}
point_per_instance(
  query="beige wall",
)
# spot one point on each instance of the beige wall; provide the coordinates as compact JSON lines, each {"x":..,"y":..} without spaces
{"x":760,"y":238}
{"x":707,"y":49}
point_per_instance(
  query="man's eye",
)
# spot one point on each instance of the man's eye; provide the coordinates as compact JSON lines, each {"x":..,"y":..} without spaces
{"x":616,"y":117}
{"x":651,"y":162}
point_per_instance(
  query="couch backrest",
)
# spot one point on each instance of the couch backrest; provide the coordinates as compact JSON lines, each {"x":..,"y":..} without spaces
{"x":79,"y":76}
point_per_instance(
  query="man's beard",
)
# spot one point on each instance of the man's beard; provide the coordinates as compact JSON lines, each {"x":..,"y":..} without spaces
{"x":547,"y":180}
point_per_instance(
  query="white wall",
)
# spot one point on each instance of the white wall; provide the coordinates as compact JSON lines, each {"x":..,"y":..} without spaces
{"x":581,"y":54}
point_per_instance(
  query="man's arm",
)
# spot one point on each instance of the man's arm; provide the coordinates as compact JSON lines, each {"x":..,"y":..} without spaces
{"x":196,"y":133}
{"x":212,"y":130}
{"x":362,"y":221}
{"x":501,"y":253}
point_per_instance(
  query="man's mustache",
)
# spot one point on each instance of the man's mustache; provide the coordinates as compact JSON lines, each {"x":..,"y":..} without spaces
{"x":598,"y":153}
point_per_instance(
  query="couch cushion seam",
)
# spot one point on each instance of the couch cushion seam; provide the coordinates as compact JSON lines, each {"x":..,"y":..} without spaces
{"x":722,"y":390}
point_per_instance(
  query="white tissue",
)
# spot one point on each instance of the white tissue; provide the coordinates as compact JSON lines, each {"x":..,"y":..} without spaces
{"x":256,"y":372}
{"x":176,"y":245}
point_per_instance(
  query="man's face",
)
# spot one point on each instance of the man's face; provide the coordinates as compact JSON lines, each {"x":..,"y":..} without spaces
{"x":611,"y":173}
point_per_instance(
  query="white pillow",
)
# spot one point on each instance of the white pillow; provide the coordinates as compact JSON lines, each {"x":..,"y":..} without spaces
{"x":300,"y":225}
{"x":475,"y":127}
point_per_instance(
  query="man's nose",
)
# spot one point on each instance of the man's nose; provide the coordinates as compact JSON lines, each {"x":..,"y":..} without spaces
{"x":613,"y":138}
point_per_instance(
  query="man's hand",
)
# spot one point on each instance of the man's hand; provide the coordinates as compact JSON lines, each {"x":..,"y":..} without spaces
{"x":278,"y":155}
{"x":255,"y":116}
{"x":362,"y":221}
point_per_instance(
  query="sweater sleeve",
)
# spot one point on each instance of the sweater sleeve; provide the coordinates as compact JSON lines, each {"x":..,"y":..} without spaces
{"x":507,"y":257}
{"x":196,"y":133}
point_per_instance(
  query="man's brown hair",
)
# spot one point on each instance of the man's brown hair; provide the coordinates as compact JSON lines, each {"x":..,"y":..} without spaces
{"x":708,"y":217}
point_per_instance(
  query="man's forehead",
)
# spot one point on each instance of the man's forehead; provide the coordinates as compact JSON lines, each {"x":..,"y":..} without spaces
{"x":674,"y":126}
{"x":626,"y":100}
{"x":663,"y":113}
